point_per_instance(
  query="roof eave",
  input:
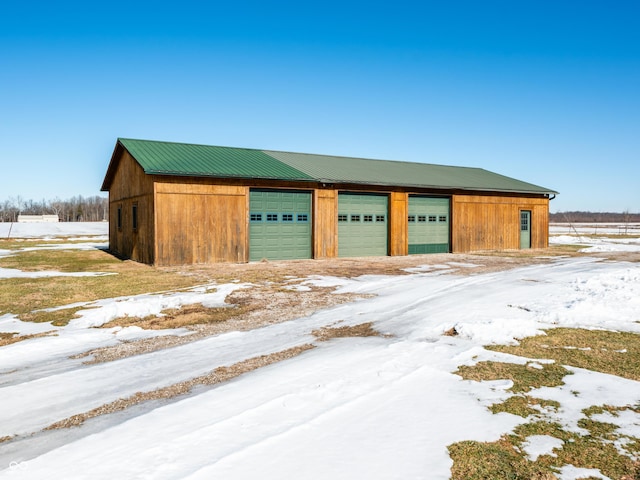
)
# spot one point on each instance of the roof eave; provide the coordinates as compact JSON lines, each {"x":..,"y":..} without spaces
{"x":438,"y":187}
{"x":350,"y":182}
{"x":113,"y":164}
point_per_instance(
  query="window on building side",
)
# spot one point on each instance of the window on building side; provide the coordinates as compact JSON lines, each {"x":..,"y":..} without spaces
{"x":134,"y":217}
{"x":272,"y":217}
{"x":303,"y":217}
{"x":287,"y":217}
{"x":368,"y":218}
{"x":342,"y":218}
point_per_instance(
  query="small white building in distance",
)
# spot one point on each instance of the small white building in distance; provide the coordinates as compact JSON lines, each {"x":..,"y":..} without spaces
{"x":38,"y":218}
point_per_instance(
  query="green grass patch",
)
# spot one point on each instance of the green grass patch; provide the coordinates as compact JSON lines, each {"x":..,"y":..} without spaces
{"x":603,"y":447}
{"x":493,"y":460}
{"x":524,"y":406}
{"x":58,"y":260}
{"x":28,"y":297}
{"x":506,"y":457}
{"x":616,"y":353}
{"x":524,"y":377}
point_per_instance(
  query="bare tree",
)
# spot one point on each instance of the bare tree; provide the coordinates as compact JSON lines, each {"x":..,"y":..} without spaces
{"x":75,"y":209}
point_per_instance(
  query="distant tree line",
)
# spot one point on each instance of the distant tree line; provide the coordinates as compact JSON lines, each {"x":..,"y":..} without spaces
{"x":594,"y":217}
{"x":75,"y":209}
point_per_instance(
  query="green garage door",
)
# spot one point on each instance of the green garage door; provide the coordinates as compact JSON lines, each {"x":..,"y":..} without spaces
{"x":279,"y":225}
{"x":428,"y":224}
{"x":362,"y":225}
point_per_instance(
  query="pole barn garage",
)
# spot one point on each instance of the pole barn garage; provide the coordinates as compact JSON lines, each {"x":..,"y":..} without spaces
{"x":175,"y":204}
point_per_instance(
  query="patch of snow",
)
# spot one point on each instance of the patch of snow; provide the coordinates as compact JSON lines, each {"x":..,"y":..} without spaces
{"x":585,"y":388}
{"x":150,"y":304}
{"x":426,"y":268}
{"x":11,"y":324}
{"x":325,"y":281}
{"x":53,"y":230}
{"x":536,"y":445}
{"x":463,"y":265}
{"x":628,"y":421}
{"x":569,"y":472}
{"x":594,"y":245}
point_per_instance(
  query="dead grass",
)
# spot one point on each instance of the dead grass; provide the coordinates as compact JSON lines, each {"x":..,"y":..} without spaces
{"x":14,"y":337}
{"x":524,"y":377}
{"x":499,"y":460}
{"x":188,"y":315}
{"x":219,"y":375}
{"x":608,"y":352}
{"x":256,"y":307}
{"x":58,"y":317}
{"x":362,"y":330}
{"x":524,"y":406}
{"x":452,"y":332}
{"x":504,"y":458}
{"x":616,"y":353}
{"x":30,"y":297}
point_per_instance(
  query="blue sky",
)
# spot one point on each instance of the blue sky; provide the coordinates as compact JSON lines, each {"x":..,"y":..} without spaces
{"x":546,"y":92}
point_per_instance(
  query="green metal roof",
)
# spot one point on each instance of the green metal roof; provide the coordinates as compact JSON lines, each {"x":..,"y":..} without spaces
{"x":331,"y":169}
{"x":166,"y":158}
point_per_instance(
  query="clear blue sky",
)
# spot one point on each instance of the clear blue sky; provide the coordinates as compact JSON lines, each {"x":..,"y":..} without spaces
{"x":543,"y":91}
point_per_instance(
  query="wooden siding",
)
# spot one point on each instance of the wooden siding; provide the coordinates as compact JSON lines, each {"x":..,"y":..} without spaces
{"x":325,"y":223}
{"x":131,"y":186}
{"x":492,"y":222}
{"x":184,"y":220}
{"x":201,"y":223}
{"x":398,"y":229}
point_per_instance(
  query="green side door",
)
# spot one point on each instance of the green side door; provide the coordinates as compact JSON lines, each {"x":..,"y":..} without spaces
{"x":362,"y":225}
{"x":525,"y":229}
{"x":279,"y":225}
{"x":429,"y":220}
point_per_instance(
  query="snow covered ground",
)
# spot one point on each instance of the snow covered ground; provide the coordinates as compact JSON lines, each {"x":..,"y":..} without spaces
{"x":602,"y":237}
{"x":375,"y":408}
{"x":53,"y":230}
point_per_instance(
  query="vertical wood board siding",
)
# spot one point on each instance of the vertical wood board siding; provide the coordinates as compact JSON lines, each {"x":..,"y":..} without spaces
{"x":325,"y":223}
{"x":201,"y":224}
{"x":398,"y":229}
{"x":493,"y":222}
{"x":131,"y":186}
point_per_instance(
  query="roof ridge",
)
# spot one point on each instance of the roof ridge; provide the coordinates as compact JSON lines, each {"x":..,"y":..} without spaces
{"x":188,"y":144}
{"x":371,"y":159}
{"x":265,"y":150}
